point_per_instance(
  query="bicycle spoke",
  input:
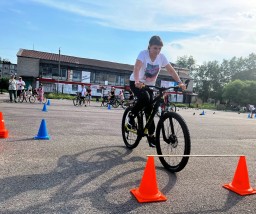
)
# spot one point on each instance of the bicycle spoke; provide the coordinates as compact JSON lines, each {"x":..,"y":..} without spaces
{"x":173,"y":140}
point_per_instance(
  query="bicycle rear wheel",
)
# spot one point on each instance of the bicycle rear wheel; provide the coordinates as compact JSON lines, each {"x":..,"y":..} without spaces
{"x":173,"y":138}
{"x":130,"y":137}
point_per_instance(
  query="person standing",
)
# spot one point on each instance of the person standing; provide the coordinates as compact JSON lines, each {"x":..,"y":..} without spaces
{"x":121,"y":95}
{"x":252,"y":110}
{"x":82,"y":95}
{"x":12,"y":89}
{"x":20,"y":87}
{"x":89,"y":95}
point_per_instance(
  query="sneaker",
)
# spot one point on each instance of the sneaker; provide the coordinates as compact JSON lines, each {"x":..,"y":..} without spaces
{"x":131,"y":122}
{"x":151,"y":141}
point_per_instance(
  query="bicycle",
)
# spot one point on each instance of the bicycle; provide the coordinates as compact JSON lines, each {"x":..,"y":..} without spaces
{"x":78,"y":100}
{"x":113,"y":101}
{"x":172,"y":133}
{"x":128,"y":103}
{"x":35,"y":97}
{"x":24,"y":96}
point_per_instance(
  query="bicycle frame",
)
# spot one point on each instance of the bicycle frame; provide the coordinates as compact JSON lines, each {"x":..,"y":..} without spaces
{"x":156,"y":102}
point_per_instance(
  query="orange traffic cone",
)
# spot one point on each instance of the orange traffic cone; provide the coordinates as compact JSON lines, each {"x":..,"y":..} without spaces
{"x":148,"y":190}
{"x":3,"y":131}
{"x":241,"y":183}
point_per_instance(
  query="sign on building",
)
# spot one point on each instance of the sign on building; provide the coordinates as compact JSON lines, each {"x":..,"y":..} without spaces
{"x":86,"y":76}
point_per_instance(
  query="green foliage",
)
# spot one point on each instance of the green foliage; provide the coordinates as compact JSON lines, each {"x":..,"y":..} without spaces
{"x":186,"y":62}
{"x":211,"y":78}
{"x":59,"y":96}
{"x":4,"y":83}
{"x":240,"y":92}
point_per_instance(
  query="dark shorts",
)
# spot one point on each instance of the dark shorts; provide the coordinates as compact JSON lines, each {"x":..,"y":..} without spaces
{"x":19,"y":92}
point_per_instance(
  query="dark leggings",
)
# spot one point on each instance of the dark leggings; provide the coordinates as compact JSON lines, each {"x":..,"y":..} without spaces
{"x":144,"y":98}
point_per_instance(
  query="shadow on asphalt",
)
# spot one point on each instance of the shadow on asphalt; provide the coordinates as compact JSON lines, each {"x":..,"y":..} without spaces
{"x":84,"y":167}
{"x":232,"y":200}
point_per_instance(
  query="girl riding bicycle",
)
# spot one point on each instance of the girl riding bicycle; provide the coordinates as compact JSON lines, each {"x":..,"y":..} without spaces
{"x":146,"y":69}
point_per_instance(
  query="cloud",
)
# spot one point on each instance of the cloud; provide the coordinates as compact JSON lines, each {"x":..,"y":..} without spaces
{"x":208,"y":48}
{"x":165,"y":15}
{"x":219,"y":30}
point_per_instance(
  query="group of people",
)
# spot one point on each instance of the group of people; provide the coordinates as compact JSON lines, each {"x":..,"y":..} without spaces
{"x":17,"y":88}
{"x":86,"y":93}
{"x":112,"y":95}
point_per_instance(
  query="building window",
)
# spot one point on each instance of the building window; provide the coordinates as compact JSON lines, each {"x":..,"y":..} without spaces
{"x":117,"y":80}
{"x":100,"y":78}
{"x":92,"y":77}
{"x":122,"y":80}
{"x":46,"y":72}
{"x":112,"y":79}
{"x":55,"y":72}
{"x":63,"y":73}
{"x":127,"y":80}
{"x":74,"y":87}
{"x":77,"y":75}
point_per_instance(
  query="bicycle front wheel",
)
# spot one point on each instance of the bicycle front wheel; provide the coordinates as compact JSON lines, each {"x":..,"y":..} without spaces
{"x":173,"y":138}
{"x":32,"y":99}
{"x":130,"y":137}
{"x":76,"y":101}
{"x":115,"y":103}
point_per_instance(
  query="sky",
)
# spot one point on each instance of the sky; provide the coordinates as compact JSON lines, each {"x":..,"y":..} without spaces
{"x":117,"y":30}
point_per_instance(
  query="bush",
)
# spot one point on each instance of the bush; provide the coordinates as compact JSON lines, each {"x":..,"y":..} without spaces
{"x":59,"y":96}
{"x":208,"y":106}
{"x":4,"y":84}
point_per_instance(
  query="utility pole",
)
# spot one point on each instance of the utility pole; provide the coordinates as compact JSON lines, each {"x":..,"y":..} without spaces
{"x":59,"y":73}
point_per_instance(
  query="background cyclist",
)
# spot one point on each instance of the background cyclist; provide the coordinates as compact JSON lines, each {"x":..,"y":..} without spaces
{"x":111,"y":95}
{"x":146,"y":69}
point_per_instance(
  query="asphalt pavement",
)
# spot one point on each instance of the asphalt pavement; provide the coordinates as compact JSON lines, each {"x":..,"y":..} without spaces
{"x":85,"y":167}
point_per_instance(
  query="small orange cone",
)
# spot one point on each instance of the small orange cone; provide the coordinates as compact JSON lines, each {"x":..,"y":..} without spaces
{"x":148,"y":190}
{"x":3,"y":131}
{"x":241,"y":183}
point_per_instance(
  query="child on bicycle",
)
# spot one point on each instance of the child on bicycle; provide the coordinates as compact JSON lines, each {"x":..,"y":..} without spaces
{"x":40,"y":92}
{"x":146,"y":69}
{"x":111,"y":95}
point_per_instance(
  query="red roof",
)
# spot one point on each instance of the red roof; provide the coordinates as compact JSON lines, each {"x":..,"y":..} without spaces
{"x":85,"y":61}
{"x":72,"y":59}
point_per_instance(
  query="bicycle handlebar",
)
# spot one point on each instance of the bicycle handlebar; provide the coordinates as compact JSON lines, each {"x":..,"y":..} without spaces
{"x":162,"y":89}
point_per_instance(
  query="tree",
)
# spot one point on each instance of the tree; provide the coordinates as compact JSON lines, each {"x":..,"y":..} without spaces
{"x":233,"y":90}
{"x":240,"y":92}
{"x":186,"y":62}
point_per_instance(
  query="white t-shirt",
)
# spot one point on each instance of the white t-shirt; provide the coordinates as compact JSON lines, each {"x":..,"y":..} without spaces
{"x":12,"y":84}
{"x":149,"y":70}
{"x":251,"y":107}
{"x":20,"y":84}
{"x":83,"y":92}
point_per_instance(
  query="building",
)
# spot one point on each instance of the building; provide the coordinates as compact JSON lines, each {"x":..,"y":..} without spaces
{"x":7,"y":69}
{"x":65,"y":74}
